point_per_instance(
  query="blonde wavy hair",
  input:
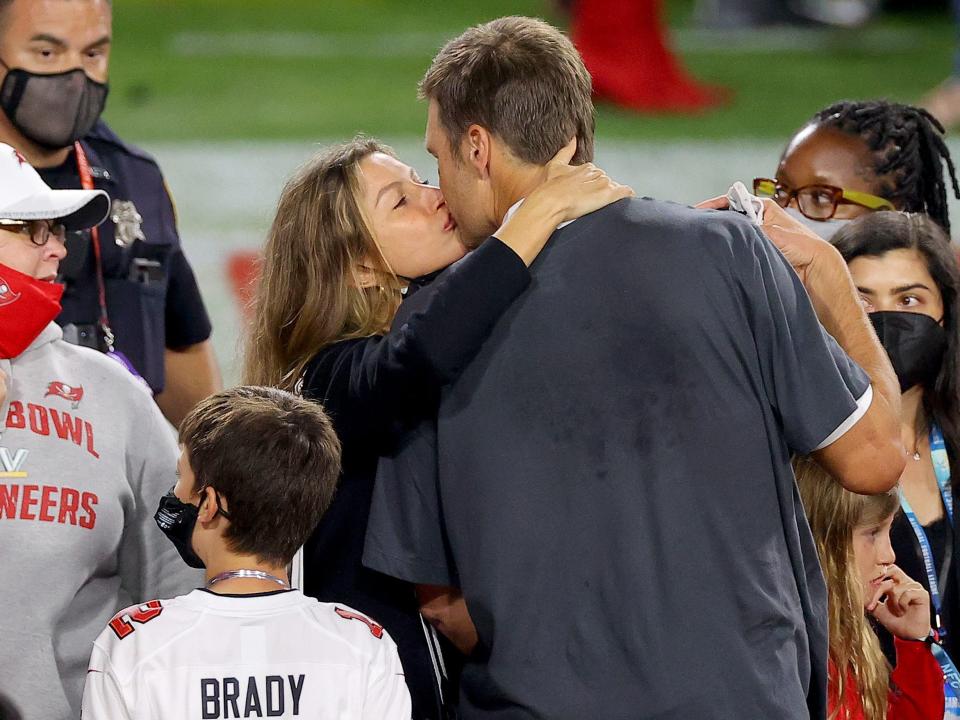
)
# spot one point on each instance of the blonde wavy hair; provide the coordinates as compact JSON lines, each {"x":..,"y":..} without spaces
{"x":310,"y":294}
{"x":834,"y":514}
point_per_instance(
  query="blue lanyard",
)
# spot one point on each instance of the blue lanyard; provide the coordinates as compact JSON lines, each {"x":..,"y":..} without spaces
{"x":941,"y":468}
{"x":951,"y":683}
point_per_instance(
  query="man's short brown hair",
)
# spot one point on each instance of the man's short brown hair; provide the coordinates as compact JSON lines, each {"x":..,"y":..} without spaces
{"x":521,"y":79}
{"x":273,"y":456}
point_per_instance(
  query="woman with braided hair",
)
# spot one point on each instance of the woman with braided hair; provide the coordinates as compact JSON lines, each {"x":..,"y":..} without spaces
{"x":856,"y":157}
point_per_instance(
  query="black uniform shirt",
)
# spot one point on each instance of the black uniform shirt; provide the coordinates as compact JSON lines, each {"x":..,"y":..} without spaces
{"x":609,"y":480}
{"x":151,"y":307}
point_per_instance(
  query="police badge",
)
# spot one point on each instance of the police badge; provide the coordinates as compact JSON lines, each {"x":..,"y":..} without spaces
{"x":127,"y":220}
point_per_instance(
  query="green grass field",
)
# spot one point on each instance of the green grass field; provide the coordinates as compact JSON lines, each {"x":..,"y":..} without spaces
{"x":306,"y":69}
{"x":233,"y":94}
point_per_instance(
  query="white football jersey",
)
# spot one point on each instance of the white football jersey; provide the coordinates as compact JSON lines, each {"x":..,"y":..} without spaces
{"x":203,"y":656}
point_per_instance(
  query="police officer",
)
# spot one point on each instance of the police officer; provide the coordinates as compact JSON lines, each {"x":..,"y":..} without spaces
{"x":130,"y":290}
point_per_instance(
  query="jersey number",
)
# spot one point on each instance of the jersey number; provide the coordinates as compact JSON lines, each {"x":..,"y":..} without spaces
{"x":143,"y":614}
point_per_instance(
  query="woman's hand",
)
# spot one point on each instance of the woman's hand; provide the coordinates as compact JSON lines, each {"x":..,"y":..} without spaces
{"x":905,"y":611}
{"x":817,"y":263}
{"x":572,"y":191}
{"x":567,"y":193}
{"x":802,"y":248}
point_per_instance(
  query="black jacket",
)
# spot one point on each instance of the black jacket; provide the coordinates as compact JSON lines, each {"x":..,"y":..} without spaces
{"x":372,"y":388}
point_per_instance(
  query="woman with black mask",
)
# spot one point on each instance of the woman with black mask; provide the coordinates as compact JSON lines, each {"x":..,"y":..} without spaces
{"x":907,"y":275}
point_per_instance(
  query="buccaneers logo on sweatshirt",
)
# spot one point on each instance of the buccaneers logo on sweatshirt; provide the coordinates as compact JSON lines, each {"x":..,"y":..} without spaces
{"x":67,"y":392}
{"x":7,"y":295}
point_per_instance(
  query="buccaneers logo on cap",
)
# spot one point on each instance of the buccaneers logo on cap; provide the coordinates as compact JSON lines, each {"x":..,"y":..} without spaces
{"x":61,"y":389}
{"x":7,"y":295}
{"x":20,"y":158}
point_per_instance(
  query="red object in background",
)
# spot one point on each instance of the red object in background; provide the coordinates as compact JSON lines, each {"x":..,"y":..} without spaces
{"x":243,"y":271}
{"x":624,"y":46}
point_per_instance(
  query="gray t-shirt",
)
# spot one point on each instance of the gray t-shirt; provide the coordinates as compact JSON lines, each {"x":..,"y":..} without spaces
{"x":609,"y":481}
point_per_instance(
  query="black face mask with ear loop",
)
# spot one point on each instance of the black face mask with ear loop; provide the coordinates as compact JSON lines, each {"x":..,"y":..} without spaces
{"x":915,"y":344}
{"x":177,"y":519}
{"x":53,"y":110}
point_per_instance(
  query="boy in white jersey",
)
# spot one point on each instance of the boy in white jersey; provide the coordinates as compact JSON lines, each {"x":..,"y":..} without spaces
{"x":258,"y":468}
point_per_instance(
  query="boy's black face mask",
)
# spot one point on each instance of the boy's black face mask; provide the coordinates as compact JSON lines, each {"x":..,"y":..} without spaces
{"x":177,"y":519}
{"x":915,"y":344}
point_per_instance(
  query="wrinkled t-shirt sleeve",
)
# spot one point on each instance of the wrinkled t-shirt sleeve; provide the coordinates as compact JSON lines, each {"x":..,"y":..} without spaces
{"x":405,"y":534}
{"x":817,"y":391}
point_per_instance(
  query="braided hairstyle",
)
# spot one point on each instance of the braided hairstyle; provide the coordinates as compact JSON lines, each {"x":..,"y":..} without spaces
{"x":907,"y":147}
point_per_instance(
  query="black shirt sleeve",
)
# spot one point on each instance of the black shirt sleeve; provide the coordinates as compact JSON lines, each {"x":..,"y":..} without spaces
{"x":187,"y":322}
{"x":811,"y":383}
{"x":185,"y":317}
{"x":371,"y":384}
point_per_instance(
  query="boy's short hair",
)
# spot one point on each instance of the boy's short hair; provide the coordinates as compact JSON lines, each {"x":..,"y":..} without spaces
{"x":273,"y":456}
{"x":522,"y":80}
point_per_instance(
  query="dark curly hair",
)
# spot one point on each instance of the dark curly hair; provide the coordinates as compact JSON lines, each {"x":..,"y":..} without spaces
{"x":907,"y":146}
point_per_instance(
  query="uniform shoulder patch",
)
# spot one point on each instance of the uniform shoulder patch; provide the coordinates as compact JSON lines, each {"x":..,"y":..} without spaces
{"x":122,"y":623}
{"x":101,"y":132}
{"x":375,"y":628}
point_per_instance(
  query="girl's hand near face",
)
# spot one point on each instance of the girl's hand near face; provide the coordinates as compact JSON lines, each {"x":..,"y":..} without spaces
{"x":567,"y":193}
{"x":905,"y":606}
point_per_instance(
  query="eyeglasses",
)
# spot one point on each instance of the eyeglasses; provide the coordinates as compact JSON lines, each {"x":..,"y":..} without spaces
{"x":817,"y":202}
{"x":39,"y":231}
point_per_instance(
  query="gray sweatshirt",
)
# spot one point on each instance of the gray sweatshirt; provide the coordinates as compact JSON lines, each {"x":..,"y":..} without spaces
{"x":84,"y":457}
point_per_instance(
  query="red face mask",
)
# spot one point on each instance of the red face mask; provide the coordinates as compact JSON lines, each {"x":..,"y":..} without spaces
{"x":26,"y":307}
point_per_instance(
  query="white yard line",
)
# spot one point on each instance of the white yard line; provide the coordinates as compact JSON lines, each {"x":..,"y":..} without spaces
{"x":869,"y":41}
{"x":306,"y":45}
{"x":226,"y":194}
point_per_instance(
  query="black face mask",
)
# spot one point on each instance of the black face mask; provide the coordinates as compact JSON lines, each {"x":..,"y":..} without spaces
{"x":52,"y":110}
{"x":177,"y":520}
{"x":915,"y":344}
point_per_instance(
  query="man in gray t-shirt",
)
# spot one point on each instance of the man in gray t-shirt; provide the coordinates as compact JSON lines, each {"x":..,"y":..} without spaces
{"x":608,"y":482}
